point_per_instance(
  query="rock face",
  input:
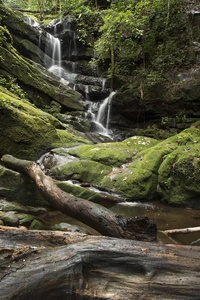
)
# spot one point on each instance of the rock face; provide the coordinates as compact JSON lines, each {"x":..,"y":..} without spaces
{"x":174,"y":106}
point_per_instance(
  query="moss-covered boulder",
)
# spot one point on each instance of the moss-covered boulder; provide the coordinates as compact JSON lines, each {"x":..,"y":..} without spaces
{"x":15,"y":187}
{"x":141,"y":168}
{"x":26,"y":132}
{"x":179,"y":176}
{"x":15,"y":219}
{"x":83,"y":170}
{"x":37,"y":80}
{"x":169,"y":170}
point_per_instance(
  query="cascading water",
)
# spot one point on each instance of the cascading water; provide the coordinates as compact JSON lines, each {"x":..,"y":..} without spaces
{"x":98,"y":113}
{"x":31,"y":22}
{"x":53,"y":50}
{"x":102,"y":116}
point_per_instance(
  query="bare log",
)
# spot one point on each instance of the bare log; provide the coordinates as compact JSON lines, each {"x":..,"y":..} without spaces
{"x":96,"y":216}
{"x":181,"y":230}
{"x":96,"y":268}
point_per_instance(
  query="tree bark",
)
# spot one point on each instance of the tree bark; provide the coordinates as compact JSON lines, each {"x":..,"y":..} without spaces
{"x":94,"y":268}
{"x":96,"y":216}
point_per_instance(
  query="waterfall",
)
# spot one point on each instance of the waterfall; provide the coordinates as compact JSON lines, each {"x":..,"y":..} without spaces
{"x":53,"y":50}
{"x":31,"y":22}
{"x":97,"y":113}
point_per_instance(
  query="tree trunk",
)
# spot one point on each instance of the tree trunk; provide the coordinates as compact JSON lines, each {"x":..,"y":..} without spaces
{"x":96,"y":216}
{"x":94,"y":268}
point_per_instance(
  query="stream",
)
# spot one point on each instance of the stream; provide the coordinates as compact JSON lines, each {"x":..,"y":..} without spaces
{"x":166,"y":217}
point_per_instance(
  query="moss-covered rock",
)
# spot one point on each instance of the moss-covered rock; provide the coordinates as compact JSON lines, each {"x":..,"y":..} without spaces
{"x":37,"y":80}
{"x":90,"y":195}
{"x":169,"y":169}
{"x":84,"y":170}
{"x":179,"y":176}
{"x":26,"y":131}
{"x":16,"y":187}
{"x":39,"y":225}
{"x":15,"y":219}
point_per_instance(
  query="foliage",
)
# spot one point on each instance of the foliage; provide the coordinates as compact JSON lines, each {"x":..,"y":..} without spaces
{"x":5,"y":37}
{"x":11,"y":85}
{"x":16,"y":3}
{"x":150,"y":33}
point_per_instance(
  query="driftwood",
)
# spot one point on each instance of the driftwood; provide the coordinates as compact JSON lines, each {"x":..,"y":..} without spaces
{"x":77,"y":266}
{"x":181,"y":230}
{"x":96,"y":216}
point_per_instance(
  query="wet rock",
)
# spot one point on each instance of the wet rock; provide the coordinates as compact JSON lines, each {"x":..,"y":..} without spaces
{"x":12,"y":206}
{"x":68,"y":227}
{"x":15,"y":219}
{"x":39,"y":225}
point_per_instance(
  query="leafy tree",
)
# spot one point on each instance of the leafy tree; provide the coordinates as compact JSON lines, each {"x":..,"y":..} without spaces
{"x":136,"y":31}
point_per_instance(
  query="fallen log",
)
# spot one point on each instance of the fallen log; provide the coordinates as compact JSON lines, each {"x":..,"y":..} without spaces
{"x":181,"y":230}
{"x":96,"y":216}
{"x":95,"y":268}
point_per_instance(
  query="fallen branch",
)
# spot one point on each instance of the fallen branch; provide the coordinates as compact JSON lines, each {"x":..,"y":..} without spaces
{"x":96,"y":216}
{"x":182,"y":230}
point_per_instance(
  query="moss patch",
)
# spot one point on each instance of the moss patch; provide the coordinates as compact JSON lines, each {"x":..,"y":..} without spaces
{"x":113,"y":154}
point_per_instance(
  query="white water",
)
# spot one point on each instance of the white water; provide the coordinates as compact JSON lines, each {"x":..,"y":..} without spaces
{"x":53,"y":50}
{"x":99,"y":113}
{"x":31,"y":22}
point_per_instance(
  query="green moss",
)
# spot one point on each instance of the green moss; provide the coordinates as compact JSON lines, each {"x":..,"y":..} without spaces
{"x":68,"y":140}
{"x":179,"y":176}
{"x":83,"y":193}
{"x":38,"y":225}
{"x":113,"y":154}
{"x":85,"y":170}
{"x":138,"y":179}
{"x":27,"y":131}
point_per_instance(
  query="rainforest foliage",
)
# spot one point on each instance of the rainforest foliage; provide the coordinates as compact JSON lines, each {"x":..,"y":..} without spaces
{"x":130,"y":37}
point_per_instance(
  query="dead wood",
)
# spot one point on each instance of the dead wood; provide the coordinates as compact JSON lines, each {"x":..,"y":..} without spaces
{"x":181,"y":230}
{"x":92,"y":267}
{"x":96,"y":216}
